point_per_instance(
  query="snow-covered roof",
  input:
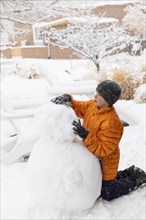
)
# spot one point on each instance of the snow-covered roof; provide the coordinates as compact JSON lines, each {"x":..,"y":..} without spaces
{"x":92,"y":19}
{"x":107,"y":20}
{"x":40,"y":24}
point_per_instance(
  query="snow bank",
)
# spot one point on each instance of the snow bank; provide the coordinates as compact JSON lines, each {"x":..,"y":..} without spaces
{"x":62,"y":173}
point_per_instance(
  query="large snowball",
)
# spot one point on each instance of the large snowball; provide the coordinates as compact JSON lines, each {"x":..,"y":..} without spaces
{"x":62,"y":172}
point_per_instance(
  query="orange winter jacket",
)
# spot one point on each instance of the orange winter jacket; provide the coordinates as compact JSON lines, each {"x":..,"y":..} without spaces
{"x":105,"y":131}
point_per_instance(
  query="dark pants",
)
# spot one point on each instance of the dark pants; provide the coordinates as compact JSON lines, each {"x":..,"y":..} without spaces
{"x":117,"y":187}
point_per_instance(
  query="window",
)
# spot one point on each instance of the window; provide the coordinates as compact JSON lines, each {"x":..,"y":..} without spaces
{"x":4,"y":40}
{"x":38,"y":33}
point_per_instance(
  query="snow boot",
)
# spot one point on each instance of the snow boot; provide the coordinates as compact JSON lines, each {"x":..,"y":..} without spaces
{"x":139,"y":177}
{"x":129,"y":171}
{"x":126,"y":173}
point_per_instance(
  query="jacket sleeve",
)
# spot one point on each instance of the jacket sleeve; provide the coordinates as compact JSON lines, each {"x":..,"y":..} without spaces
{"x":106,"y":140}
{"x":80,"y":107}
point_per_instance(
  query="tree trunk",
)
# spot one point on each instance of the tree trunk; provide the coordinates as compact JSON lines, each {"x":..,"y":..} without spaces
{"x":98,"y":67}
{"x":96,"y":63}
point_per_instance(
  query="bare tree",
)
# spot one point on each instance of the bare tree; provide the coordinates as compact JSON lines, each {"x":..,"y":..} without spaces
{"x":91,"y":40}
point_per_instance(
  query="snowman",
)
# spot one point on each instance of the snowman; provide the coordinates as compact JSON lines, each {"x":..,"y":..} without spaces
{"x":62,"y":173}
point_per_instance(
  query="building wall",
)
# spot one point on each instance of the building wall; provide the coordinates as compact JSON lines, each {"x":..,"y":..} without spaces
{"x":112,"y":11}
{"x":6,"y":53}
{"x":25,"y":36}
{"x":57,"y":53}
{"x":35,"y":52}
{"x":25,"y":52}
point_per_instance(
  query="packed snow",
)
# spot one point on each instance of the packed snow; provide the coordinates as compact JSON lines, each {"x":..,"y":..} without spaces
{"x":21,"y":195}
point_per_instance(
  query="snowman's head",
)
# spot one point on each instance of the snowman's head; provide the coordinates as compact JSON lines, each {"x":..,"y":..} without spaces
{"x":55,"y":122}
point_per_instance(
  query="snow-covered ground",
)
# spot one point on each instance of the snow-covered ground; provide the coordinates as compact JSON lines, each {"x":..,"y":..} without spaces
{"x":16,"y":202}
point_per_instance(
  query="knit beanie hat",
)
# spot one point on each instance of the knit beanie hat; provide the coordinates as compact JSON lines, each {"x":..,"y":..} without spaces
{"x":109,"y":90}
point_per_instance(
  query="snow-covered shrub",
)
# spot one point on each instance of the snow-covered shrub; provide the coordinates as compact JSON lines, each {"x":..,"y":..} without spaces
{"x":143,"y":71}
{"x":30,"y":72}
{"x":128,"y":81}
{"x":140,"y":94}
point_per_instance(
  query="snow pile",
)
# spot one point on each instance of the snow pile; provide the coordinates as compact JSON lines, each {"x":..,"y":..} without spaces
{"x":62,"y":173}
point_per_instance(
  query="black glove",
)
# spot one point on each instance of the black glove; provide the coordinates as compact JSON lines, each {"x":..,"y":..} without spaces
{"x":79,"y":130}
{"x":63,"y":100}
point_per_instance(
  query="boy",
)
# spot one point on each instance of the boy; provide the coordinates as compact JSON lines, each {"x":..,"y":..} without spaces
{"x":101,"y":133}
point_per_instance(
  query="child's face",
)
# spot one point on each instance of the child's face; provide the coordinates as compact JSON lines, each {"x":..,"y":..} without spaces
{"x":99,"y":101}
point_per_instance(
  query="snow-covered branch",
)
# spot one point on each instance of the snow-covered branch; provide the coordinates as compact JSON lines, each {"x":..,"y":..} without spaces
{"x":33,"y":11}
{"x":91,"y":40}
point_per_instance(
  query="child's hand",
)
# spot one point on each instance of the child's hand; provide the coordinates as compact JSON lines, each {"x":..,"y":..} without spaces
{"x":63,"y":100}
{"x":79,"y":129}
